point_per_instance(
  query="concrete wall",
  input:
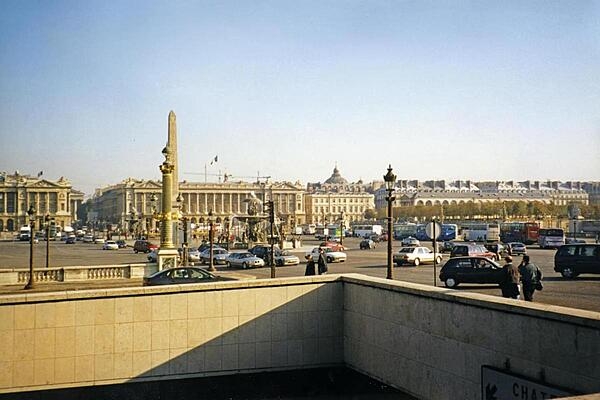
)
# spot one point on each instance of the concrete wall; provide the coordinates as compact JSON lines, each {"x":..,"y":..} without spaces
{"x":428,"y":341}
{"x":119,"y":335}
{"x":432,"y":342}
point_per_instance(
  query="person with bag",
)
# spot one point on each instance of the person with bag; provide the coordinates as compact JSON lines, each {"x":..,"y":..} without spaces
{"x":322,"y":262}
{"x":510,"y":280}
{"x":531,"y":278}
{"x":310,"y":266}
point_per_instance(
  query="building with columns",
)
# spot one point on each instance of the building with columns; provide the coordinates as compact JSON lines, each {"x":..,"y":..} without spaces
{"x":440,"y":192}
{"x":325,"y":202}
{"x":128,"y":205}
{"x":50,"y":199}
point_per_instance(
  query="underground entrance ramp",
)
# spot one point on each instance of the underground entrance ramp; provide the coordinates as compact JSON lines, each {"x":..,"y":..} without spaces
{"x":319,"y":383}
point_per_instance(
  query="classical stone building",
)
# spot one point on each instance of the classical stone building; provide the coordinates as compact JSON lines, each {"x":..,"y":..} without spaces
{"x":440,"y":192}
{"x":50,"y":199}
{"x":128,"y":205}
{"x":326,"y":201}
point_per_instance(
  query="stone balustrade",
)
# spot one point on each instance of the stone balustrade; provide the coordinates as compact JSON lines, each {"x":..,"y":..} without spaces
{"x":77,"y":273}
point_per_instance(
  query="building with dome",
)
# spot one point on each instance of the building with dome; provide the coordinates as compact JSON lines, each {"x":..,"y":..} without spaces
{"x":336,"y":199}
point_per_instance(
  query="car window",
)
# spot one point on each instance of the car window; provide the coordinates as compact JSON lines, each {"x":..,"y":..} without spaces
{"x":464,"y":264}
{"x":406,"y":250}
{"x":567,"y":251}
{"x":588,"y":251}
{"x":484,"y":264}
{"x":197,"y":274}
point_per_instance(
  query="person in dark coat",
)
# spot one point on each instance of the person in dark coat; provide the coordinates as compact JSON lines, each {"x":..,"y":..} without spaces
{"x":510,"y":279}
{"x":322,"y":262}
{"x":310,"y":266}
{"x":530,"y":274}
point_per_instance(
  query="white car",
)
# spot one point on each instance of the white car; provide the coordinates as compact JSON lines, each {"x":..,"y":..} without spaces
{"x":219,"y":256}
{"x":88,"y":239}
{"x":244,"y":260}
{"x":99,"y":240}
{"x":330,"y":255}
{"x":193,"y":255}
{"x":416,"y":256}
{"x":286,"y":258}
{"x":110,"y":245}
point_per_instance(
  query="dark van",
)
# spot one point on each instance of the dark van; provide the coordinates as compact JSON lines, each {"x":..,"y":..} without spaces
{"x":574,"y":259}
{"x":143,"y":246}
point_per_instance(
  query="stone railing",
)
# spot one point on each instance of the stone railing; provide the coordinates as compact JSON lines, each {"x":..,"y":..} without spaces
{"x":77,"y":273}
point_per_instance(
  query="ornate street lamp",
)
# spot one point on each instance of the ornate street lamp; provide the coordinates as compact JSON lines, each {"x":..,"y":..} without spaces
{"x":390,"y":180}
{"x":227,"y":232}
{"x":342,"y":226}
{"x":211,"y":265}
{"x":184,"y":221}
{"x":47,"y":220}
{"x":31,"y":213}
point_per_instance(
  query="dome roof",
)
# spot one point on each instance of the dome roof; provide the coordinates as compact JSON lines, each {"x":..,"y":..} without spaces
{"x":336,"y":178}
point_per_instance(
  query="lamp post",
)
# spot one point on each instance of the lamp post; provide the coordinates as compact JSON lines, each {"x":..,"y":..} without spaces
{"x":227,"y":232}
{"x":390,"y":180}
{"x":47,"y":221}
{"x":31,"y":213}
{"x":342,"y":226}
{"x":184,"y":221}
{"x":211,"y":265}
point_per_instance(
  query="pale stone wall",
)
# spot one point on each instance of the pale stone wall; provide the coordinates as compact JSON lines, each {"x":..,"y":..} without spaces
{"x":428,"y":341}
{"x":432,"y":342}
{"x":119,"y":335}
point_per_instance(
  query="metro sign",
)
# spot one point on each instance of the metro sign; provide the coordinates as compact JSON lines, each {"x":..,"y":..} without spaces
{"x":497,"y":384}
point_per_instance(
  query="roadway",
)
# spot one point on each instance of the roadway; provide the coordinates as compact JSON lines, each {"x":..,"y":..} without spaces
{"x":582,"y":293}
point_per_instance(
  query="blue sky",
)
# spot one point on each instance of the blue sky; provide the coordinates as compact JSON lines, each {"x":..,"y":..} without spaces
{"x":441,"y":90}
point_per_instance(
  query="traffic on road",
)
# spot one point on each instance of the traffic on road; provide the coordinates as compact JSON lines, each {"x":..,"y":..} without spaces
{"x":565,"y":287}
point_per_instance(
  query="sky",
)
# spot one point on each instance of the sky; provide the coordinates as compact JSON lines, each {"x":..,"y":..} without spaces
{"x":505,"y":90}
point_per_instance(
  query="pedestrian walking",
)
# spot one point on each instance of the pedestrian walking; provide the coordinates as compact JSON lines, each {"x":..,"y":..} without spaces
{"x":310,"y":266}
{"x":322,"y":262}
{"x":531,"y":278}
{"x":510,"y":279}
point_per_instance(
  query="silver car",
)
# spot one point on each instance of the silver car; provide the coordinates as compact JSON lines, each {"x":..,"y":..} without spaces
{"x":219,"y":256}
{"x":244,"y":260}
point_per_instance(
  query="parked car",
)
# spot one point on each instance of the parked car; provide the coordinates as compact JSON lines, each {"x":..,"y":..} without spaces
{"x":180,"y":275}
{"x":574,"y":241}
{"x":99,"y":240}
{"x":516,"y":248}
{"x":366,"y":244}
{"x":330,"y":255}
{"x":153,"y":256}
{"x":574,"y":259}
{"x":219,"y":256}
{"x":121,"y":243}
{"x":110,"y":245}
{"x":410,"y":241}
{"x":416,"y":256}
{"x":263,"y":251}
{"x":497,"y":248}
{"x":470,"y":270}
{"x":446,"y":247}
{"x":333,"y":245}
{"x":472,"y":250}
{"x":284,"y":257}
{"x":88,"y":238}
{"x":143,"y":246}
{"x":244,"y":260}
{"x":193,"y":255}
{"x":71,"y":240}
{"x":374,"y":237}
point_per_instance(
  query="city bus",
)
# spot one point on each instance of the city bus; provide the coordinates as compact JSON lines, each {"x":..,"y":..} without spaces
{"x":404,"y":230}
{"x":524,"y":232}
{"x":551,"y":238}
{"x":481,"y":231}
{"x":449,"y":232}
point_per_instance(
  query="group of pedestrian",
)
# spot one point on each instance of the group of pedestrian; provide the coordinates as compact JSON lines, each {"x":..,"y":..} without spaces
{"x":525,"y":278}
{"x":320,"y":266}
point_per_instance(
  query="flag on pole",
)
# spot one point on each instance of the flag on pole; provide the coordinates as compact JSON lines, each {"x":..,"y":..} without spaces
{"x":40,"y":173}
{"x":215,"y":160}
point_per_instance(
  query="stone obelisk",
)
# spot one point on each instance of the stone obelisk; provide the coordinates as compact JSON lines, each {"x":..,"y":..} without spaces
{"x":172,"y":146}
